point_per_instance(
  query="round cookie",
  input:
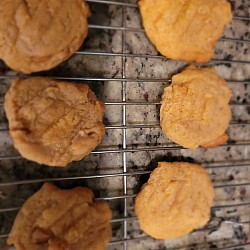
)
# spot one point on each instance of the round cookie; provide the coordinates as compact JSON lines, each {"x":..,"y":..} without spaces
{"x":195,"y":110}
{"x":37,"y":35}
{"x":175,"y":200}
{"x":185,"y":29}
{"x":53,"y":122}
{"x":46,"y":221}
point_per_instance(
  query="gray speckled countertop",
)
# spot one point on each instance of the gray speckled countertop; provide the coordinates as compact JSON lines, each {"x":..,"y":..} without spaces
{"x":228,"y":165}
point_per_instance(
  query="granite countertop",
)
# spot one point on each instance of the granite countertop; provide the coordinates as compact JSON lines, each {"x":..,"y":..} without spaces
{"x":228,"y":165}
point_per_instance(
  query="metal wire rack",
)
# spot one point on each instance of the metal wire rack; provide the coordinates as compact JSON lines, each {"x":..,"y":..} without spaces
{"x":126,"y":234}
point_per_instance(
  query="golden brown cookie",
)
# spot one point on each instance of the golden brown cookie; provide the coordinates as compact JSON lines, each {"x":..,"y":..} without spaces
{"x":57,"y":219}
{"x":39,"y":34}
{"x":175,"y":200}
{"x":185,"y":29}
{"x":195,"y":110}
{"x":53,"y":122}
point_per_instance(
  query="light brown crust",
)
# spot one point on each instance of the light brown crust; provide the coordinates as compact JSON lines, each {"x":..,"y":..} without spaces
{"x":195,"y":110}
{"x":53,"y":122}
{"x":175,"y":200}
{"x":57,"y":219}
{"x":38,"y":35}
{"x":185,"y":29}
{"x":219,"y":141}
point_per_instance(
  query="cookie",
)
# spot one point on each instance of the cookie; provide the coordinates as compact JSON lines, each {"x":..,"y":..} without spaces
{"x":195,"y":110}
{"x":46,"y":221}
{"x":185,"y":29}
{"x":175,"y":200}
{"x":53,"y":122}
{"x":38,"y":35}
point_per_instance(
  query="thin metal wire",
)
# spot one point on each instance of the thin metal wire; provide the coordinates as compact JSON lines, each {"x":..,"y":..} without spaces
{"x":117,"y":197}
{"x":231,"y":205}
{"x":113,"y":3}
{"x":5,"y":235}
{"x":138,"y":149}
{"x":153,"y":56}
{"x":144,"y":126}
{"x":213,"y":61}
{"x":144,"y":80}
{"x":130,"y":29}
{"x":135,"y":218}
{"x":10,"y":209}
{"x":116,"y":242}
{"x":157,"y":126}
{"x":159,"y":103}
{"x":235,"y":247}
{"x":216,"y":207}
{"x":151,"y":103}
{"x":124,"y":123}
{"x":232,"y":185}
{"x":132,"y":173}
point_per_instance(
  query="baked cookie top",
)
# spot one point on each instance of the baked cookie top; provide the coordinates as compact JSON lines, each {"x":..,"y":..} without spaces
{"x":185,"y":29}
{"x":37,"y":35}
{"x":53,"y":122}
{"x":175,"y":200}
{"x":195,"y":110}
{"x":46,"y":221}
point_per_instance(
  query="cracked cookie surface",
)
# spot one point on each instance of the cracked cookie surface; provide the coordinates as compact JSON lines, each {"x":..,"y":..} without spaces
{"x":53,"y":122}
{"x":38,"y":35}
{"x":46,"y":221}
{"x":195,"y":110}
{"x":185,"y":29}
{"x":175,"y":200}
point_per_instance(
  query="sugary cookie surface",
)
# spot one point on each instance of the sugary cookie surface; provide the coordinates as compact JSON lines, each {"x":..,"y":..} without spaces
{"x":37,"y":35}
{"x":185,"y":29}
{"x":195,"y":110}
{"x":175,"y":200}
{"x":58,"y":219}
{"x":53,"y":122}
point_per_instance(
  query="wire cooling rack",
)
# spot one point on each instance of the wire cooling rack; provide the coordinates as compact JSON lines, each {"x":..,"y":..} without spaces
{"x":124,"y":70}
